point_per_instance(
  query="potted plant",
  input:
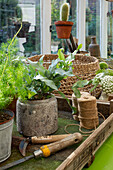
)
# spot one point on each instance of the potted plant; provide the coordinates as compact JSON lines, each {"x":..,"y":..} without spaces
{"x":12,"y":73}
{"x":104,"y":78}
{"x":38,"y":114}
{"x":63,"y":27}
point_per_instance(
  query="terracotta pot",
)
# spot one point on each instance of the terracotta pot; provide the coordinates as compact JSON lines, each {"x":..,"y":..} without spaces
{"x":12,"y":105}
{"x":63,"y":29}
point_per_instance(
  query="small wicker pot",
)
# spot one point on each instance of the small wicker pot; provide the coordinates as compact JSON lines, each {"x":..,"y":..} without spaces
{"x":85,"y":67}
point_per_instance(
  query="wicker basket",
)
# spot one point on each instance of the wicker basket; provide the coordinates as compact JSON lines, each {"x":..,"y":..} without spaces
{"x":84,"y":67}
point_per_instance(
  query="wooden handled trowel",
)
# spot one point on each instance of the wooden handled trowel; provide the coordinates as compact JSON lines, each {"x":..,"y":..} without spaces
{"x":39,"y":140}
{"x":47,"y":150}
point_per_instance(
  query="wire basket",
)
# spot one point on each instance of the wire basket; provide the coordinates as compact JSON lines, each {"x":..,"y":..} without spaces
{"x":85,"y":67}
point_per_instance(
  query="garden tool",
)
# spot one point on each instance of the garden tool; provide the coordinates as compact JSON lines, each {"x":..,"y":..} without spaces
{"x":39,"y":140}
{"x":47,"y":150}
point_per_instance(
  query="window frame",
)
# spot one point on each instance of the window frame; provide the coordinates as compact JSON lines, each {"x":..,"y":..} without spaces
{"x":81,"y":24}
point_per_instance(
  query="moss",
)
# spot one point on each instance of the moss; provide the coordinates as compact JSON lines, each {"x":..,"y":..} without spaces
{"x":50,"y":163}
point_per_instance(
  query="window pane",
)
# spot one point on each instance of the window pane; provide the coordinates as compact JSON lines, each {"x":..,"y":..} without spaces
{"x":92,"y":21}
{"x":110,"y":29}
{"x":11,"y":12}
{"x":55,"y":16}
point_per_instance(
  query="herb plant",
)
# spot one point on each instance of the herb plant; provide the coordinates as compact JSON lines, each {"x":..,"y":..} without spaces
{"x":25,"y":79}
{"x":45,"y":81}
{"x":14,"y":74}
{"x":104,"y":78}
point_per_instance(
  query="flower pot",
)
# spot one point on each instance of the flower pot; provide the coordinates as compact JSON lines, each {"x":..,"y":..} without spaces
{"x":25,"y":28}
{"x":12,"y":105}
{"x":37,"y":117}
{"x":6,"y":136}
{"x":63,"y":29}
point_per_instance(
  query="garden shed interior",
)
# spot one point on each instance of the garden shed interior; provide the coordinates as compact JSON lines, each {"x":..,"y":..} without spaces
{"x":56,"y":87}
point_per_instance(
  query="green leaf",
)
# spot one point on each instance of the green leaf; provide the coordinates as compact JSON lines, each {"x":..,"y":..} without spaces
{"x":68,"y":101}
{"x":74,"y":52}
{"x":74,"y":110}
{"x":79,"y":46}
{"x":41,"y":60}
{"x":81,"y":83}
{"x":53,"y":64}
{"x":94,"y":87}
{"x":61,"y":55}
{"x":63,"y":73}
{"x":41,"y":69}
{"x":33,"y":63}
{"x":70,"y":58}
{"x":76,"y":92}
{"x":48,"y":82}
{"x":30,"y":94}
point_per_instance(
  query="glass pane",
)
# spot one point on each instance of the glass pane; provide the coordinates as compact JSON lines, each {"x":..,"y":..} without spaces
{"x":110,"y":29}
{"x":55,"y":16}
{"x":92,"y":21}
{"x":11,"y":12}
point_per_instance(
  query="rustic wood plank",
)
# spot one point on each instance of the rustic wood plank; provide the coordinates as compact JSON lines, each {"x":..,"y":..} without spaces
{"x":82,"y":155}
{"x":105,"y":107}
{"x":111,"y":106}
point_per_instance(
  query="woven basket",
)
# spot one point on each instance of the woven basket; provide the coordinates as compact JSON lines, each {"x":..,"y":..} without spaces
{"x":85,"y":67}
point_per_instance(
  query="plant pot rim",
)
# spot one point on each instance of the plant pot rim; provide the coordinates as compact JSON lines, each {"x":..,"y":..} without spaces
{"x":7,"y":110}
{"x":63,"y":23}
{"x":30,"y":101}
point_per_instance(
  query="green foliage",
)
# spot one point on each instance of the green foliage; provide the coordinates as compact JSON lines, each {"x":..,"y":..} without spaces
{"x":79,"y":84}
{"x":14,"y":74}
{"x":45,"y":81}
{"x":103,"y":65}
{"x":103,"y":77}
{"x":64,"y":12}
{"x":25,"y":79}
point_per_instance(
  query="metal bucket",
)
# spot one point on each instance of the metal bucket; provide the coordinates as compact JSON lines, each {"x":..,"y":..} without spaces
{"x":6,"y":137}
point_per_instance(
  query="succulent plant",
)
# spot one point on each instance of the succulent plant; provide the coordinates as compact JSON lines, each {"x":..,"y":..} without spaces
{"x":107,"y":84}
{"x":64,"y":12}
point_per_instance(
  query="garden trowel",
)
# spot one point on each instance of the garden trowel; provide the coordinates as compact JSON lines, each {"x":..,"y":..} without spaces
{"x":39,"y":140}
{"x":47,"y":150}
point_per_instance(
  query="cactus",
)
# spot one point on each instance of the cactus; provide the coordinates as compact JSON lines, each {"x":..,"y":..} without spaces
{"x":64,"y":12}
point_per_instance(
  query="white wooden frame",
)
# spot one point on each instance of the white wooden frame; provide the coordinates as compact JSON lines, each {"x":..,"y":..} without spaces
{"x":103,"y":28}
{"x":81,"y":15}
{"x":45,"y":8}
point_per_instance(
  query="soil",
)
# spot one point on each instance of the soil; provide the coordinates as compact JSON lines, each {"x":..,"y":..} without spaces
{"x":4,"y":117}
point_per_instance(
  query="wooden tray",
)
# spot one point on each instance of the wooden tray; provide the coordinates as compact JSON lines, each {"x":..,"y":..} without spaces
{"x":85,"y":152}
